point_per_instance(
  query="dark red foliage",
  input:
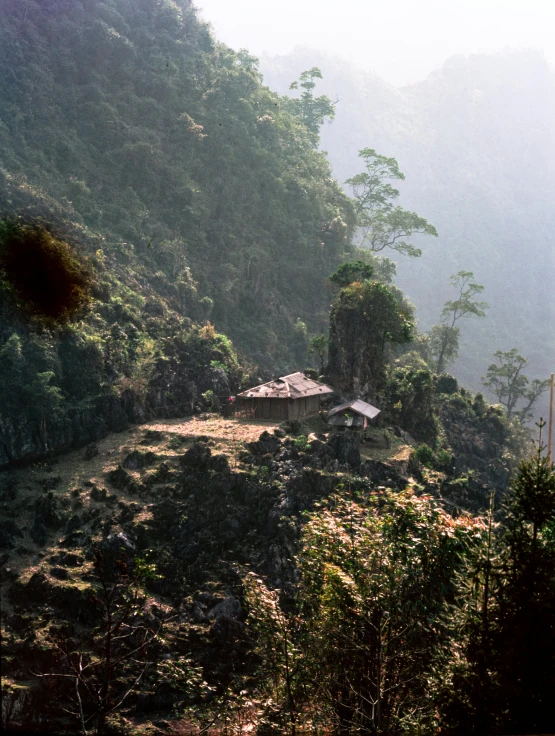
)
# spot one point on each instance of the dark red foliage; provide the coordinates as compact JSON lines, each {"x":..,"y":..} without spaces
{"x":45,"y":272}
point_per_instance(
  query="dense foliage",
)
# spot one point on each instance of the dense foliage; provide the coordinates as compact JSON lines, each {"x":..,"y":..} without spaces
{"x":407,"y":620}
{"x":146,"y":130}
{"x":45,"y":273}
{"x":190,"y":189}
{"x":366,"y":317}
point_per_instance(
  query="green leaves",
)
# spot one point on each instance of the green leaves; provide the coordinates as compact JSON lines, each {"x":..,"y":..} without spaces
{"x":352,"y":271}
{"x":313,"y":111}
{"x":365,"y":317}
{"x":444,"y":338}
{"x":381,"y":225}
{"x":506,"y":380}
{"x":465,"y":305}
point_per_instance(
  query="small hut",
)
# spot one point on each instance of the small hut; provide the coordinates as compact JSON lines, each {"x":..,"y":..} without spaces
{"x":355,"y":414}
{"x":289,"y":397}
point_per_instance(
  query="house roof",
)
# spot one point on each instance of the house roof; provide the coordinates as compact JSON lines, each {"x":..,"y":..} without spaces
{"x":358,"y":406}
{"x":293,"y":386}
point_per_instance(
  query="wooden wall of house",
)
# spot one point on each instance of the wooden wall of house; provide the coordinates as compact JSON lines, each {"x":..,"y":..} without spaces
{"x":299,"y":408}
{"x":280,"y":409}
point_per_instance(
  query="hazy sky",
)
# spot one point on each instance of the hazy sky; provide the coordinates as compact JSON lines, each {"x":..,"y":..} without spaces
{"x":401,"y":40}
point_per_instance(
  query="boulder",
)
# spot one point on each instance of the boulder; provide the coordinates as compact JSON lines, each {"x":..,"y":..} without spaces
{"x":196,"y":456}
{"x":229,"y":607}
{"x":219,"y":463}
{"x":91,"y":451}
{"x":292,"y":426}
{"x":266,"y":444}
{"x":346,"y":447}
{"x":121,"y":479}
{"x":98,"y":494}
{"x":137,"y":460}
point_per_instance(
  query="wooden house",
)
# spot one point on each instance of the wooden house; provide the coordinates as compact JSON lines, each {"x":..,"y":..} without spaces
{"x":289,"y":397}
{"x":355,"y":414}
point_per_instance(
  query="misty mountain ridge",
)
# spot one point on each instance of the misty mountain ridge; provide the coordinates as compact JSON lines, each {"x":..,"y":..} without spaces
{"x":475,"y":141}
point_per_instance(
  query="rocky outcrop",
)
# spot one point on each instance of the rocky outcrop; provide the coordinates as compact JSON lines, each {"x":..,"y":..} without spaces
{"x":23,"y":441}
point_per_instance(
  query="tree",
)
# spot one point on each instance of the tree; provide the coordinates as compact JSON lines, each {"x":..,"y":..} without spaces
{"x":44,"y":272}
{"x":318,"y":346}
{"x":313,"y":111}
{"x":506,"y":380}
{"x":502,"y":672}
{"x":369,"y":628}
{"x":444,"y":338}
{"x":107,"y":665}
{"x":381,"y":224}
{"x":365,"y":317}
{"x":277,"y":646}
{"x":352,"y":271}
{"x":526,"y":618}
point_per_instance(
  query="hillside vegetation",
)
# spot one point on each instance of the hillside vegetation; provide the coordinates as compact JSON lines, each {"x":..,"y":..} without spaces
{"x":169,"y":233}
{"x":475,"y":143}
{"x":193,"y":192}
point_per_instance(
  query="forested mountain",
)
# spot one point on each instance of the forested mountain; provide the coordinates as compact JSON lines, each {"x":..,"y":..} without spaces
{"x":145,"y":130}
{"x":170,"y":233}
{"x":476,"y":143}
{"x":193,"y":191}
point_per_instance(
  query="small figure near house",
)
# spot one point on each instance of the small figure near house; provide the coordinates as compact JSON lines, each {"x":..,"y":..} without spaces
{"x":356,"y":414}
{"x":289,"y":397}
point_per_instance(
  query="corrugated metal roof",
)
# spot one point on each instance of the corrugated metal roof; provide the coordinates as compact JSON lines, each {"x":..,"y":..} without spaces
{"x":358,"y":406}
{"x":293,"y":386}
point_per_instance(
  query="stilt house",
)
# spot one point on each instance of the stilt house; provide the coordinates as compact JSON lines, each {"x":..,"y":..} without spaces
{"x":289,"y":397}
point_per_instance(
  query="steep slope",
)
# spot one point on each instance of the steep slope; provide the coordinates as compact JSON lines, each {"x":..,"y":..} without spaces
{"x":476,"y":145}
{"x":166,"y":143}
{"x":192,"y":193}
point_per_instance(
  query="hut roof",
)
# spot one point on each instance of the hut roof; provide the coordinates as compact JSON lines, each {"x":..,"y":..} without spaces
{"x":358,"y":406}
{"x":293,"y":386}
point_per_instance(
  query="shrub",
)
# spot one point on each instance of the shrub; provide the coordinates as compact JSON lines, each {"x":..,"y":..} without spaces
{"x":425,"y":455}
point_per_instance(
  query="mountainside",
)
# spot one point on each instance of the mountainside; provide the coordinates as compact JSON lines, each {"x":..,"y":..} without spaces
{"x":189,"y":187}
{"x":132,"y":118}
{"x":476,"y":144}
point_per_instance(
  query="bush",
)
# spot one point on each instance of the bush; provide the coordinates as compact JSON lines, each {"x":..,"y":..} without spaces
{"x":45,"y":273}
{"x":446,"y":384}
{"x":425,"y":455}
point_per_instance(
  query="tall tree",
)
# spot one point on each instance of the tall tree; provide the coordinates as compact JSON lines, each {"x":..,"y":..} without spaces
{"x":444,"y":338}
{"x":318,"y":346}
{"x":312,"y":110}
{"x":371,"y":628}
{"x":506,"y":380}
{"x":381,"y":224}
{"x":505,"y":662}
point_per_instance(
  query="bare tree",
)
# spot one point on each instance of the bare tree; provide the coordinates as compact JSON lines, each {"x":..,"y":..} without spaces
{"x":107,"y":666}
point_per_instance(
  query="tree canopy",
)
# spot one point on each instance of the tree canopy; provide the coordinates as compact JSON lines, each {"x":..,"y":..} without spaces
{"x":444,"y":338}
{"x":381,"y":224}
{"x":366,"y":316}
{"x":507,"y":382}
